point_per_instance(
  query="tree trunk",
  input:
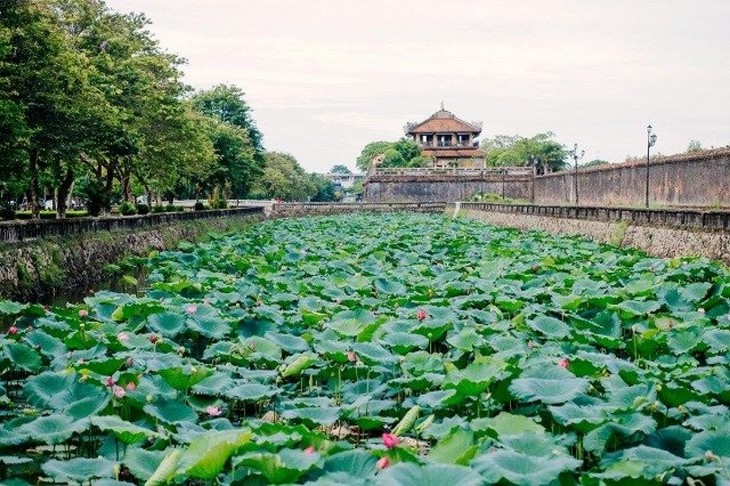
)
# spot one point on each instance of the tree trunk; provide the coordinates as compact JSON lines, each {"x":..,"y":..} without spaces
{"x":34,"y":185}
{"x":62,"y":193}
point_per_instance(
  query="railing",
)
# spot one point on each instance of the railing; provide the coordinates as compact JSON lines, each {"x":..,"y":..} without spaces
{"x":490,"y":171}
{"x":717,"y":220}
{"x":14,"y":231}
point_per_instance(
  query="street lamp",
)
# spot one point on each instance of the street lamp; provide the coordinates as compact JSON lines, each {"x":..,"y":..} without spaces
{"x":576,"y":156}
{"x":650,"y":141}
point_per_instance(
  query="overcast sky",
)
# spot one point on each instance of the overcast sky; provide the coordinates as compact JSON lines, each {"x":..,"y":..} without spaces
{"x":325,"y":77}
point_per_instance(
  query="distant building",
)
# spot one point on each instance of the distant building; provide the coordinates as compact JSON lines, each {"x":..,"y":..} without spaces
{"x":448,"y":140}
{"x":343,"y":181}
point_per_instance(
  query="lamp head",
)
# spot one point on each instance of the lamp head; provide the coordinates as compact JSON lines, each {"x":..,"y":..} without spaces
{"x":652,"y":139}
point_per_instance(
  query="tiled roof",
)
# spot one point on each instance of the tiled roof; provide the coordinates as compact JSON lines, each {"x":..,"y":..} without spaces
{"x":443,"y":121}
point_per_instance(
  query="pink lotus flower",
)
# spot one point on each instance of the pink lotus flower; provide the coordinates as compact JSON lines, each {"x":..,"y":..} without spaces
{"x":123,"y":337}
{"x":12,"y":330}
{"x":110,"y":381}
{"x":383,"y":463}
{"x":131,"y":386}
{"x":191,"y":309}
{"x":153,"y":338}
{"x":390,"y":440}
{"x":531,"y":344}
{"x":309,"y":450}
{"x":118,"y":391}
{"x":83,"y":313}
{"x":213,"y":411}
{"x":351,"y":356}
{"x":421,"y":315}
{"x":564,"y":363}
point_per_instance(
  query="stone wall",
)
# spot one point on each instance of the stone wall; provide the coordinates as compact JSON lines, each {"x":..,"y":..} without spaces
{"x":666,"y":234}
{"x":423,"y":188}
{"x":686,"y":180}
{"x":701,"y":180}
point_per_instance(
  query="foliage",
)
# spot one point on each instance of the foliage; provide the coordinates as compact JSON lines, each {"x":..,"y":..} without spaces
{"x":200,"y":206}
{"x":694,"y":146}
{"x":284,"y":353}
{"x":595,"y":162}
{"x":540,"y":151}
{"x":285,"y":179}
{"x":91,"y":104}
{"x":142,"y":209}
{"x":403,"y":153}
{"x":340,"y":169}
{"x":126,"y":208}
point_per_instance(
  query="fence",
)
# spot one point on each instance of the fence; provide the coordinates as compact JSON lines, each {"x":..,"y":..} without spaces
{"x":457,"y":171}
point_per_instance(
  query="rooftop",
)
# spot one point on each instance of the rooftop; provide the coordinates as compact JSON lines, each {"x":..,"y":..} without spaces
{"x":443,"y":121}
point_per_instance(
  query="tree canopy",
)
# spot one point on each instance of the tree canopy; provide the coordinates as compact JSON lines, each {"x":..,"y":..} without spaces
{"x":402,"y":153}
{"x":91,"y":105}
{"x":540,"y":151}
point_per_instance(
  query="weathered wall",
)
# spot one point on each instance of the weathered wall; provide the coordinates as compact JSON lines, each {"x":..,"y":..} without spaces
{"x":443,"y":188}
{"x":701,"y":179}
{"x":671,"y":240}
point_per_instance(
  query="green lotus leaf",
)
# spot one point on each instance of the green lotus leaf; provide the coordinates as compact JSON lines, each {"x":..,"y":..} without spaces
{"x":456,"y":448}
{"x":143,"y":463}
{"x":79,"y":469}
{"x":519,"y":468}
{"x":252,"y":392}
{"x":171,"y":411}
{"x":286,"y":466}
{"x":23,"y":356}
{"x":409,"y":474}
{"x":549,"y":384}
{"x":637,"y":307}
{"x":185,"y":377}
{"x":52,"y":429}
{"x":210,"y":326}
{"x":215,"y":384}
{"x":356,"y":463}
{"x":654,"y":462}
{"x":403,"y":342}
{"x":126,"y":432}
{"x":505,"y":424}
{"x":550,"y":327}
{"x":167,"y":324}
{"x":208,"y":453}
{"x":290,"y":344}
{"x":716,"y":442}
{"x":10,"y":308}
{"x":325,"y":416}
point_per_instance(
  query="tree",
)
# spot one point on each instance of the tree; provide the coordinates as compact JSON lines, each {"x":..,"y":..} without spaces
{"x":694,"y":147}
{"x":324,"y":189}
{"x":371,"y":150}
{"x":236,"y":167}
{"x":595,"y":162}
{"x":403,"y":153}
{"x":340,"y":169}
{"x":284,"y":178}
{"x":540,"y":151}
{"x":226,"y":103}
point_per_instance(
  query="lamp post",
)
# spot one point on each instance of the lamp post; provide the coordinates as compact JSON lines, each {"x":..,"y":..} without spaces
{"x":576,"y":156}
{"x":650,"y":141}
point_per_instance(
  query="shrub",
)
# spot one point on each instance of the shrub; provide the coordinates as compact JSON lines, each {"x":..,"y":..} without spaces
{"x":160,"y":209}
{"x":143,"y":209}
{"x":6,"y":213}
{"x":200,"y":206}
{"x":97,"y":198}
{"x":221,"y":204}
{"x":127,"y":209}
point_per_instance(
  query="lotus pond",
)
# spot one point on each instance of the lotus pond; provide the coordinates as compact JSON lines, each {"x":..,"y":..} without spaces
{"x":377,"y":349}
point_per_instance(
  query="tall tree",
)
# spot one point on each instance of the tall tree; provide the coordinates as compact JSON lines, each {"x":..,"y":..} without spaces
{"x":226,"y":103}
{"x":541,"y":150}
{"x":284,"y":178}
{"x":340,"y":169}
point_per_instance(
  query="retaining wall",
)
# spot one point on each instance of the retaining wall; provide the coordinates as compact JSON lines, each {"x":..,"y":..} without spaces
{"x":663,"y":233}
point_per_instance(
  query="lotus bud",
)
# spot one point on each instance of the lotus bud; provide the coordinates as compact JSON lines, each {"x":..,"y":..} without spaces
{"x":383,"y":463}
